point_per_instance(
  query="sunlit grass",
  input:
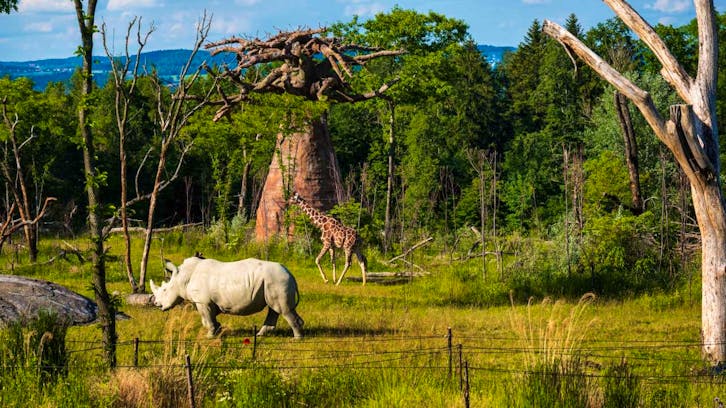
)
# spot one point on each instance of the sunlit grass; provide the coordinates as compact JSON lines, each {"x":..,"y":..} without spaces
{"x":375,"y":345}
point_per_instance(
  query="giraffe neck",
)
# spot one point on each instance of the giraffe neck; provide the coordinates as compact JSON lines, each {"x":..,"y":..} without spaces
{"x":317,"y":217}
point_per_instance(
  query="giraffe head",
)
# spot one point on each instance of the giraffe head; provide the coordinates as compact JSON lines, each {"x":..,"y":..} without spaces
{"x":295,"y":198}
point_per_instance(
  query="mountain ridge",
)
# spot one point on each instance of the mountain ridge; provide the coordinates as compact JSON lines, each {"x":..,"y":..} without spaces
{"x":168,"y":64}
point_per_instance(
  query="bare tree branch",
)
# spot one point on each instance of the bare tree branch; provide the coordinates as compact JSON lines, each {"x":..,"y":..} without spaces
{"x":309,"y":65}
{"x":640,"y":98}
{"x":673,"y":72}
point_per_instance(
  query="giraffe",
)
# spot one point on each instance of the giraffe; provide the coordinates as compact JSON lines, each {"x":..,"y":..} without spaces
{"x":334,"y":235}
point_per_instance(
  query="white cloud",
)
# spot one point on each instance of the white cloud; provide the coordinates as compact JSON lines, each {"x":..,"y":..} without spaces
{"x":44,"y":5}
{"x":670,"y":6}
{"x":39,"y":27}
{"x":246,"y":2}
{"x":127,"y":4}
{"x":361,"y":9}
{"x":230,"y":26}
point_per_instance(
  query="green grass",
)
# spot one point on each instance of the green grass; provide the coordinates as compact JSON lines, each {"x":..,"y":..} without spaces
{"x":379,"y":345}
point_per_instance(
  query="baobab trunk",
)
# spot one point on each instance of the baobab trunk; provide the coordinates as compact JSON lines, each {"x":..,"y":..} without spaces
{"x":304,"y":162}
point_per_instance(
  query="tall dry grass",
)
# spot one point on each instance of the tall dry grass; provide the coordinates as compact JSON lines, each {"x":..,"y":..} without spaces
{"x":554,"y":369}
{"x":163,"y":383}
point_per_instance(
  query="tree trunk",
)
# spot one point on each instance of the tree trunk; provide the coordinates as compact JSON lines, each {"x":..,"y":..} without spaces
{"x":631,"y":151}
{"x":304,"y":162}
{"x":708,"y":204}
{"x":691,"y":134}
{"x":242,"y":202}
{"x":389,"y":181}
{"x":150,"y":219}
{"x":106,"y":310}
{"x":124,"y":216}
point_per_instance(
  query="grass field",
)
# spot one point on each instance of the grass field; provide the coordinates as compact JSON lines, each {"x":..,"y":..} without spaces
{"x":383,"y":345}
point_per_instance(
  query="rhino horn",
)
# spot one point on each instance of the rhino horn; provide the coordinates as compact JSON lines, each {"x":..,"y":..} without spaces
{"x":154,"y":288}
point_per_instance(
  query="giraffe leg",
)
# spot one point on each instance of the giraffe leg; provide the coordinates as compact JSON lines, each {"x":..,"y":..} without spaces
{"x":347,"y":265}
{"x":326,"y":245}
{"x":363,"y":264}
{"x":332,"y":259}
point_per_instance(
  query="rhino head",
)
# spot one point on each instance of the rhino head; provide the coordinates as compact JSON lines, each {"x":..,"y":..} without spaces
{"x":168,"y":294}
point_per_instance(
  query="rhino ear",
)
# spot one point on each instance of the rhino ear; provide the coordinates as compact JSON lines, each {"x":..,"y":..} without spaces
{"x":170,"y":267}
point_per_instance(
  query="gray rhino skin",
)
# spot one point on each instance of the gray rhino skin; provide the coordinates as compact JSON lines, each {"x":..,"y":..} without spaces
{"x":239,"y":288}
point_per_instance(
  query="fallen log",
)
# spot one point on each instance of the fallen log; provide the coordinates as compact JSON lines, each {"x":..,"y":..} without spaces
{"x":116,"y":230}
{"x":409,"y":250}
{"x":389,"y":278}
{"x":140,"y":299}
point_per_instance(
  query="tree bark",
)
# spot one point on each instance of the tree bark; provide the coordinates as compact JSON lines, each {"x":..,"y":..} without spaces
{"x":389,"y":181}
{"x":691,"y":135}
{"x":242,"y":202}
{"x":16,"y":180}
{"x":106,"y":310}
{"x":631,"y":151}
{"x":122,"y":101}
{"x":304,"y":162}
{"x":174,"y":113}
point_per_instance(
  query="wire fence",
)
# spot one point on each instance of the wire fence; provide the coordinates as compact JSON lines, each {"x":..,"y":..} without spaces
{"x":655,"y":360}
{"x":497,"y":358}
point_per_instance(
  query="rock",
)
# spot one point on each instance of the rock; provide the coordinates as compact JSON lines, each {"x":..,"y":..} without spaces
{"x":22,"y":299}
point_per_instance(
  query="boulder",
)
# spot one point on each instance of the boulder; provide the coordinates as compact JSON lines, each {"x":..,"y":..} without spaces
{"x":22,"y":299}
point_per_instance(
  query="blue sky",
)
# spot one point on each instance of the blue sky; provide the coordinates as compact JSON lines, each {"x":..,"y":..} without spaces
{"x":48,"y":29}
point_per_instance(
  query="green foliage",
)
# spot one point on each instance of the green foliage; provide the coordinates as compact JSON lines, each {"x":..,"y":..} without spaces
{"x":620,"y":256}
{"x":39,"y":346}
{"x":406,"y":29}
{"x":253,"y":386}
{"x":557,"y":384}
{"x":622,"y":387}
{"x":8,"y":6}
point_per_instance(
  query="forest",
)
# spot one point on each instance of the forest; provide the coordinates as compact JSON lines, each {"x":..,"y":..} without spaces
{"x":536,"y":157}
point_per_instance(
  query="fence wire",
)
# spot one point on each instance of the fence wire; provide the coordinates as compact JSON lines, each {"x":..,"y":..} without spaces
{"x":656,"y":361}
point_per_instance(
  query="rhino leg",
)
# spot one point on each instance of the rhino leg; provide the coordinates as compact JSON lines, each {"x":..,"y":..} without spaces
{"x":296,"y":323}
{"x":270,"y":322}
{"x":209,"y":320}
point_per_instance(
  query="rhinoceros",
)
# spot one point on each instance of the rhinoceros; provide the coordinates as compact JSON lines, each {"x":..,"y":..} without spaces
{"x":239,"y":288}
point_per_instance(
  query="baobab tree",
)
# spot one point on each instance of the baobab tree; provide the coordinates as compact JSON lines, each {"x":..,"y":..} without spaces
{"x":691,"y":135}
{"x":307,"y":64}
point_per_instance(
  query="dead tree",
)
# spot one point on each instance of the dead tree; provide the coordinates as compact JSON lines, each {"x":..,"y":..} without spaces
{"x":125,"y":76}
{"x":13,"y":172}
{"x":173,"y":113}
{"x":691,"y":135}
{"x":11,"y":225}
{"x":631,"y":151}
{"x":308,"y":64}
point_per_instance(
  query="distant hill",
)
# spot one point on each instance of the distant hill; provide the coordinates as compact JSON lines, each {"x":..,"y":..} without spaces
{"x":168,"y":64}
{"x":494,"y":53}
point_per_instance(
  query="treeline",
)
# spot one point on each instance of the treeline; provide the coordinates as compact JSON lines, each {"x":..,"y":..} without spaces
{"x":526,"y":159}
